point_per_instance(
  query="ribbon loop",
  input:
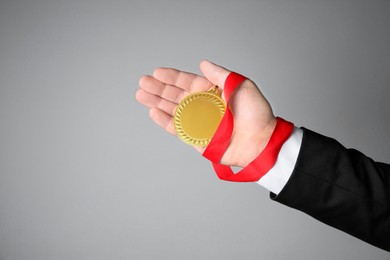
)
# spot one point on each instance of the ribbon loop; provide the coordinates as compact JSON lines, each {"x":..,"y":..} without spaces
{"x":221,"y":139}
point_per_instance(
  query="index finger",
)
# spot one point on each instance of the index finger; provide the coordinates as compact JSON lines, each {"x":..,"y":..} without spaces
{"x":181,"y":79}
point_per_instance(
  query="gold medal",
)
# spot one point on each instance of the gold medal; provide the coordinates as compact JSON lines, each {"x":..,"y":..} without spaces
{"x":198,"y":115}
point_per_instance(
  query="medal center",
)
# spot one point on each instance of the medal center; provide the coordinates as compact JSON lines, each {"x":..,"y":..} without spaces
{"x":201,"y":118}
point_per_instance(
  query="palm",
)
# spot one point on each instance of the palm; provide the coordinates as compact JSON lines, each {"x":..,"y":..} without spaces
{"x":253,"y":118}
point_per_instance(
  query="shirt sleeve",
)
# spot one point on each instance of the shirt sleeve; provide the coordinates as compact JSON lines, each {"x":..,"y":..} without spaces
{"x":277,"y":177}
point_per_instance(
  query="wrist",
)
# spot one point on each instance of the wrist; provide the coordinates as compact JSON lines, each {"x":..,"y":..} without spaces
{"x":249,"y":146}
{"x":258,"y":142}
{"x":266,"y":160}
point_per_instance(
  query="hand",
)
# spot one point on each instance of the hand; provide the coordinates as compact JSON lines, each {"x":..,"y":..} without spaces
{"x":254,"y":121}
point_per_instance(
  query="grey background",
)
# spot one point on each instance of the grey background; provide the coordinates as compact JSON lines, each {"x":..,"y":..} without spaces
{"x":85,"y":174}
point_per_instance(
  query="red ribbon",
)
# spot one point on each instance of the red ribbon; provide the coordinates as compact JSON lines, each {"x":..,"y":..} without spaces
{"x":220,"y":141}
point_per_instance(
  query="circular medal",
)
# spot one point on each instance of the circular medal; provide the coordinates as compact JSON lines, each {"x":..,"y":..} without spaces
{"x":198,"y":115}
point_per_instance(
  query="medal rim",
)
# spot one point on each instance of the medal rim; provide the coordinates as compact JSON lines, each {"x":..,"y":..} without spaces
{"x":208,"y":96}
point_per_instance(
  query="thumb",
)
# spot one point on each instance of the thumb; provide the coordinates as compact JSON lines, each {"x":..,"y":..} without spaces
{"x":214,"y":73}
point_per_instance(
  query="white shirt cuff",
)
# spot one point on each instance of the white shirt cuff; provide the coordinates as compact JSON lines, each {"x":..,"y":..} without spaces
{"x":277,"y":177}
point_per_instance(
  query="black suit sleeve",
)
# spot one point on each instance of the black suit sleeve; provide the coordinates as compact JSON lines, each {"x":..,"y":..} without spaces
{"x":342,"y":188}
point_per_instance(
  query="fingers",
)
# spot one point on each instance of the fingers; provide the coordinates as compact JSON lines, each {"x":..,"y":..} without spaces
{"x":153,"y":101}
{"x":187,"y":81}
{"x":156,"y":87}
{"x":162,"y":119}
{"x":161,"y":110}
{"x":214,"y":73}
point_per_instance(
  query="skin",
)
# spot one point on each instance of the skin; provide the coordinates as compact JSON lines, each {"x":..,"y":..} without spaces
{"x":254,"y":120}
